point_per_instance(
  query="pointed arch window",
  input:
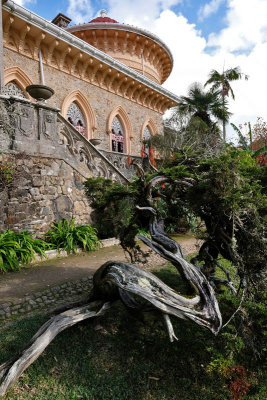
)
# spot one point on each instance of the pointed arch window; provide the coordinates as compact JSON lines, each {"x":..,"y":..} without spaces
{"x":76,"y":118}
{"x":146,"y":136}
{"x":118,"y":120}
{"x":13,"y":89}
{"x":118,"y":136}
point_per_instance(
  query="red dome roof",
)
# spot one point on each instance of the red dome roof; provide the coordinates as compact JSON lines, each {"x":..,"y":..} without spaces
{"x":103,"y":19}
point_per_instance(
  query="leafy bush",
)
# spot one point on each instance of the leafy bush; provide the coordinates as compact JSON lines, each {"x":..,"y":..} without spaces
{"x":114,"y":206}
{"x":65,"y":234}
{"x":18,"y":249}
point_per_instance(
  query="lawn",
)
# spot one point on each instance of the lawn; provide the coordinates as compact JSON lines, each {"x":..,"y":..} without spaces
{"x":117,"y":357}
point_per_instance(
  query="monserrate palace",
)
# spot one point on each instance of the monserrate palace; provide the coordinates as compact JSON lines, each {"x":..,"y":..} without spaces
{"x":106,"y":78}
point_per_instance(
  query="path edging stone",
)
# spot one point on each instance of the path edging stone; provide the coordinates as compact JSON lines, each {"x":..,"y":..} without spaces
{"x":50,"y":254}
{"x":67,"y":292}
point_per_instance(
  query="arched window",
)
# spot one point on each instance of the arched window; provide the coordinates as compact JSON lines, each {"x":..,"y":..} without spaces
{"x":148,"y":129}
{"x":146,"y":136}
{"x":118,"y":136}
{"x":76,"y":118}
{"x":119,"y":129}
{"x":13,"y":89}
{"x":16,"y":82}
{"x":78,"y":111}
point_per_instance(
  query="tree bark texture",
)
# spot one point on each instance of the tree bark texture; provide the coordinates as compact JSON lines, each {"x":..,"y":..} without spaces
{"x":138,"y":290}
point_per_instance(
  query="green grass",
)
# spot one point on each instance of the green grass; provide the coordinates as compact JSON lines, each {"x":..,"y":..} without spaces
{"x":121,"y":360}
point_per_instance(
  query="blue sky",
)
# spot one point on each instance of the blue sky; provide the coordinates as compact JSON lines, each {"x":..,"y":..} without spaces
{"x":201,"y":34}
{"x":189,"y":8}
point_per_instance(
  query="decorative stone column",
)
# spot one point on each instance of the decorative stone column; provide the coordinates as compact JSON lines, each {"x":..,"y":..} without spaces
{"x":1,"y":49}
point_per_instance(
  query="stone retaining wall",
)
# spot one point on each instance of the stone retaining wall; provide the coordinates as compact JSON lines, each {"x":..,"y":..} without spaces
{"x":50,"y":160}
{"x":55,"y":296}
{"x":44,"y":191}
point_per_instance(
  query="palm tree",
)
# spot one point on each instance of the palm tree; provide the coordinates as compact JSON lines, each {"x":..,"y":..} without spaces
{"x":206,"y":106}
{"x":222,"y":82}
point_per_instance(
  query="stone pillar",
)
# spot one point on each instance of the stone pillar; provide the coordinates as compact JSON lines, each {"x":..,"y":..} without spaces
{"x":1,"y":49}
{"x":1,"y":52}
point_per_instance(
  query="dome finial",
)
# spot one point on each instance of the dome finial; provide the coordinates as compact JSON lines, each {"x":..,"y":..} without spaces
{"x":103,"y":13}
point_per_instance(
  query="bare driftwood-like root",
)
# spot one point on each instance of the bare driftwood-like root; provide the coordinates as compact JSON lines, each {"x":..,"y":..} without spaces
{"x":138,"y":289}
{"x":12,"y":370}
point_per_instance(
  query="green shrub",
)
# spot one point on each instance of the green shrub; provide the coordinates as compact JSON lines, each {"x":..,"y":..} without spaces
{"x":18,"y":249}
{"x":65,"y":234}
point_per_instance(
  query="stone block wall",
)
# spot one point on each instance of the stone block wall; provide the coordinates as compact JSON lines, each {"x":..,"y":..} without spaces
{"x":44,"y":190}
{"x":50,"y":160}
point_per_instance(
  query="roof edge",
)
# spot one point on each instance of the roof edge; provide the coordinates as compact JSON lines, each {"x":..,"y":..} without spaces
{"x":79,"y":44}
{"x":121,"y":27}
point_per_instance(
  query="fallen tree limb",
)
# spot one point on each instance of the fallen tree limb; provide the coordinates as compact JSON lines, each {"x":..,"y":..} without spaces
{"x":12,"y":370}
{"x":138,"y":290}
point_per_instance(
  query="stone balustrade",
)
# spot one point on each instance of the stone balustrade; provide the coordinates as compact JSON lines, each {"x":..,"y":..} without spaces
{"x":123,"y":162}
{"x":37,"y":129}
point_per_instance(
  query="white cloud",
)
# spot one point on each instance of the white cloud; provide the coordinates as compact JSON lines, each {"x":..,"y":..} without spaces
{"x":187,"y":47}
{"x":243,"y":42}
{"x":141,"y":13}
{"x":24,"y":2}
{"x":209,"y":9}
{"x":193,"y":63}
{"x":246,"y":26}
{"x":80,"y":11}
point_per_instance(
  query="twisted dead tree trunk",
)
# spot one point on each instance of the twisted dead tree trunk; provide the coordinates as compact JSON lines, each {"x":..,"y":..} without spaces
{"x":11,"y":370}
{"x":138,"y":290}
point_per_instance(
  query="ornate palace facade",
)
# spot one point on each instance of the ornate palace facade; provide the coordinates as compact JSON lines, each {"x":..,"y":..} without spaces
{"x":108,"y":97}
{"x":106,"y":75}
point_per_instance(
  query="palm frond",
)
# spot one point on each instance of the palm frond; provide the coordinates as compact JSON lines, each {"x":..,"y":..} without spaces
{"x":242,"y":139}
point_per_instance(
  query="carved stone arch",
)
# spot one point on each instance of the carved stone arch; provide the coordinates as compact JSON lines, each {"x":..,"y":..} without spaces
{"x":152,"y":127}
{"x":89,"y":116}
{"x":19,"y":77}
{"x":121,"y":114}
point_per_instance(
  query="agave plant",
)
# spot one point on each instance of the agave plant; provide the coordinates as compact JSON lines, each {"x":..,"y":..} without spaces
{"x":65,"y":234}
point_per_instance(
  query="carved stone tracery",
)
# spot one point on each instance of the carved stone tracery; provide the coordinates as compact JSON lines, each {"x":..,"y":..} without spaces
{"x":78,"y":107}
{"x":124,"y":121}
{"x":12,"y":89}
{"x":75,"y":113}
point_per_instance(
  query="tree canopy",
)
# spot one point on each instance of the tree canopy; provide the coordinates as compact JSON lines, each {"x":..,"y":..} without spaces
{"x":221,"y":83}
{"x":226,"y":193}
{"x":205,"y":105}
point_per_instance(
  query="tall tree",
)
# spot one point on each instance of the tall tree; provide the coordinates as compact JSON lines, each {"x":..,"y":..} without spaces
{"x":207,"y":106}
{"x":221,"y":82}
